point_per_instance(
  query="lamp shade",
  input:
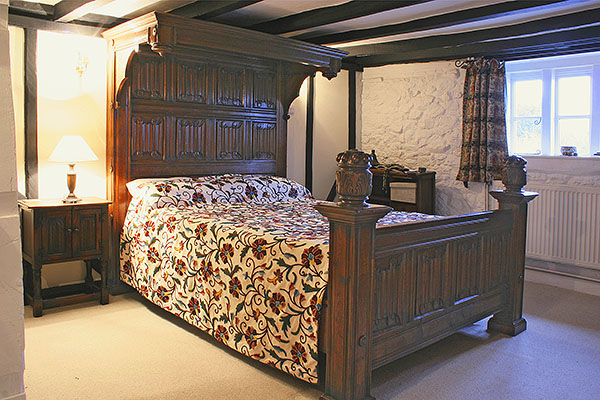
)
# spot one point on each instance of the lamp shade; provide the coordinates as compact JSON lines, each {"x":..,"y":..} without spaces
{"x":72,"y":149}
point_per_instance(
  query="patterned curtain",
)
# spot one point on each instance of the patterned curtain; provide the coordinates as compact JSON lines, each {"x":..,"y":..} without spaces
{"x":484,"y":147}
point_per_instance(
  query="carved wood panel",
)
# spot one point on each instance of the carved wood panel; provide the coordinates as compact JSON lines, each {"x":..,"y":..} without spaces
{"x":230,"y":86}
{"x":192,"y":82}
{"x":148,"y":78}
{"x":394,"y":283}
{"x":190,"y":139}
{"x":56,"y":236}
{"x":147,"y":138}
{"x":229,"y":140}
{"x":264,"y":90}
{"x":468,"y":268}
{"x":494,"y":254}
{"x":87,"y":227}
{"x":432,"y":279}
{"x":264,"y":140}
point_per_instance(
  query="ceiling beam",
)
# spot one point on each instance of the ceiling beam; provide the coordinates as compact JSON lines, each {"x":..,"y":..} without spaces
{"x":69,"y":10}
{"x":437,"y":21}
{"x":46,"y":25}
{"x":206,"y":9}
{"x":31,"y":9}
{"x":329,"y":15}
{"x":535,"y":27}
{"x":549,"y":44}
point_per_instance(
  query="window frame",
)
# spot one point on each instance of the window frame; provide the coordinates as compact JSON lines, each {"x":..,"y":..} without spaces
{"x":550,"y":69}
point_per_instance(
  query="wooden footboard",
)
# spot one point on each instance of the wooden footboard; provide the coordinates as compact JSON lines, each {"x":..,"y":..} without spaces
{"x":395,"y":289}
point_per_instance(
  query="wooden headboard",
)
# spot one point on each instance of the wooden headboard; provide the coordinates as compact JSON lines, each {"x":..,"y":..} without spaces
{"x":189,"y":98}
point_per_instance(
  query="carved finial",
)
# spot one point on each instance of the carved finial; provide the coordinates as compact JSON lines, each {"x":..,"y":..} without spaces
{"x":514,"y":176}
{"x":353,"y":178}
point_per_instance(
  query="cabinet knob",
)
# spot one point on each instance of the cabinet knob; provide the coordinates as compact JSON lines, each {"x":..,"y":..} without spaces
{"x":69,"y":230}
{"x":76,"y":229}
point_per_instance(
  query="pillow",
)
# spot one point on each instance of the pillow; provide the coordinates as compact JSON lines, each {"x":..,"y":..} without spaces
{"x":236,"y":188}
{"x":228,"y":188}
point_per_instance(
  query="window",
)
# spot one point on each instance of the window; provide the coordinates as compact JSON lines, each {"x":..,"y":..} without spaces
{"x":554,"y":102}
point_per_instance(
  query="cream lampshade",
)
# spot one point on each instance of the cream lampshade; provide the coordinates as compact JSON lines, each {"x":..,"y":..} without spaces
{"x":72,"y":149}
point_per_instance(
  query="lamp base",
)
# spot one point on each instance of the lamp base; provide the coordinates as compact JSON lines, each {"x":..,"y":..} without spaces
{"x":71,"y":181}
{"x":71,"y":198}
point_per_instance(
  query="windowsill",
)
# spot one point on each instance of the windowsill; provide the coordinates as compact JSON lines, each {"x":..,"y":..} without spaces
{"x":587,"y":168}
{"x":544,"y":157}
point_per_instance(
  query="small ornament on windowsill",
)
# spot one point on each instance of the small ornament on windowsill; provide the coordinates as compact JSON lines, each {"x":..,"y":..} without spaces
{"x":568,"y":150}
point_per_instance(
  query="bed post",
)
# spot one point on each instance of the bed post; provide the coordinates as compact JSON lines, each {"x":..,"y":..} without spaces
{"x":510,"y":320}
{"x":350,"y":288}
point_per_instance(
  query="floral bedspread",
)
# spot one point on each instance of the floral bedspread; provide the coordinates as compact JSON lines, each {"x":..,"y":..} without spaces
{"x":252,"y":274}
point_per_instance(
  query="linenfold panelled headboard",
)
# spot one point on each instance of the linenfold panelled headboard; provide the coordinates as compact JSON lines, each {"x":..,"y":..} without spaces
{"x":189,"y":98}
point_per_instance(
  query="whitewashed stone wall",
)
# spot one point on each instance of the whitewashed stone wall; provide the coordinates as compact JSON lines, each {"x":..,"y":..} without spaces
{"x":412,"y":115}
{"x":570,"y":171}
{"x":11,"y":287}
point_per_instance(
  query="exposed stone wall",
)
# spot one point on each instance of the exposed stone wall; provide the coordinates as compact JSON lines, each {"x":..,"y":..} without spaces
{"x":412,"y":115}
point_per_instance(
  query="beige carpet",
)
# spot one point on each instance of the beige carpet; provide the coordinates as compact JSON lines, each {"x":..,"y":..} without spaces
{"x":130,"y":349}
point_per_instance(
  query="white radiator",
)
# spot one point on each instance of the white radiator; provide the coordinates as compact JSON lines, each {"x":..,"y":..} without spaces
{"x":563,"y":225}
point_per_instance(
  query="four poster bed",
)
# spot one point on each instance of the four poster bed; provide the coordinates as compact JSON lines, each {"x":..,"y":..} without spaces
{"x":324,"y":291}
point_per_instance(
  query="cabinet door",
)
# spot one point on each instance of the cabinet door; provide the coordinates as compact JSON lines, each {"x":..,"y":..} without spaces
{"x":55,"y":228}
{"x":87,"y":231}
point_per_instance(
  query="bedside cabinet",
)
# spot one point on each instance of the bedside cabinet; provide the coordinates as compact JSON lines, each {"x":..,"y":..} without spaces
{"x":53,"y":231}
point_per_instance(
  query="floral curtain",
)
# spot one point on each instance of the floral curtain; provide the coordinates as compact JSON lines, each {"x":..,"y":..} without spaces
{"x":484,"y":146}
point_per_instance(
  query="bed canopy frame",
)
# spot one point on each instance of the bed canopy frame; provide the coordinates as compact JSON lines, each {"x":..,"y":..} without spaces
{"x":189,"y":97}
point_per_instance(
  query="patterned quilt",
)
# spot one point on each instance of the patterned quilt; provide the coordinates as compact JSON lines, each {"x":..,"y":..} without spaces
{"x":241,"y":257}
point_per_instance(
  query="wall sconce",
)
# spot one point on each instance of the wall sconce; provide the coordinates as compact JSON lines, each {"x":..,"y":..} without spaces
{"x":72,"y":149}
{"x":82,"y":63}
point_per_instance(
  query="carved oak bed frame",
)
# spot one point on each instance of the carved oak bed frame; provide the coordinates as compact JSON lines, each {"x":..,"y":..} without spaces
{"x":189,"y":97}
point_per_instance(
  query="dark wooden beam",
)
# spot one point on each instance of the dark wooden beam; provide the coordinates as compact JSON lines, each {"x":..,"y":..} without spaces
{"x":64,"y":8}
{"x":28,"y":8}
{"x":475,"y":14}
{"x":203,"y":9}
{"x":536,"y":27}
{"x":330,"y":15}
{"x":310,"y":118}
{"x":45,"y":25}
{"x":351,"y":109}
{"x":550,"y":44}
{"x":31,"y":141}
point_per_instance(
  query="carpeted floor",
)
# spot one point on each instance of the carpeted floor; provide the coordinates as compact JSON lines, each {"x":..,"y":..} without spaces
{"x":130,"y":349}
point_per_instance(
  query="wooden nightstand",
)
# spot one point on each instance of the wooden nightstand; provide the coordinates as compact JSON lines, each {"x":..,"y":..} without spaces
{"x":53,"y":231}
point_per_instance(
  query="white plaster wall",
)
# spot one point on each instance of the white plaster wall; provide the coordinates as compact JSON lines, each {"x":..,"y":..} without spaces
{"x":412,"y":115}
{"x":296,"y":138}
{"x":330,"y":132}
{"x":11,"y":286}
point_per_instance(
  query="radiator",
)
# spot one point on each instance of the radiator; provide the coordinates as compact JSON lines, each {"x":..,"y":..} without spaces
{"x":563,"y":225}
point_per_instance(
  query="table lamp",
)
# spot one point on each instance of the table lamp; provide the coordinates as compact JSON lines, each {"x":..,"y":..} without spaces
{"x":72,"y":149}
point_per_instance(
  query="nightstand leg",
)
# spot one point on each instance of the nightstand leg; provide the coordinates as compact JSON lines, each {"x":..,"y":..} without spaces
{"x":89,"y":280}
{"x":103,"y":282}
{"x":38,"y":304}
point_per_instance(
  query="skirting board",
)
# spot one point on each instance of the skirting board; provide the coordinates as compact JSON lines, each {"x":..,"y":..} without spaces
{"x":562,"y":281}
{"x":18,"y":396}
